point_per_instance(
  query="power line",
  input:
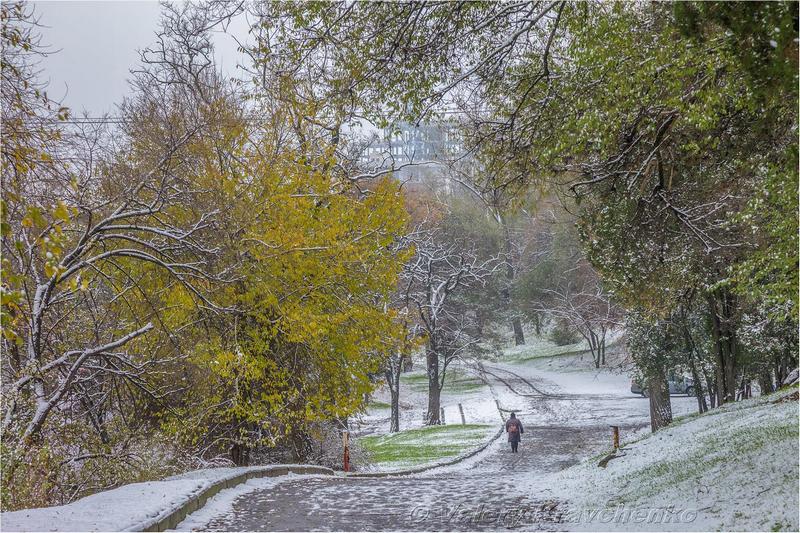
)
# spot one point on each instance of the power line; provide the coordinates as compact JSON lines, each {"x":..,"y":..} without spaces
{"x":122,"y":120}
{"x":111,"y":120}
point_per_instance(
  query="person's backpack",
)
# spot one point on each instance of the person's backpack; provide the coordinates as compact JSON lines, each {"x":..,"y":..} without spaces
{"x":513,"y":428}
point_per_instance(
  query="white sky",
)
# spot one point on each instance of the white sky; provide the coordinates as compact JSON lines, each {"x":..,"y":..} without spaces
{"x":95,"y":45}
{"x":98,"y":45}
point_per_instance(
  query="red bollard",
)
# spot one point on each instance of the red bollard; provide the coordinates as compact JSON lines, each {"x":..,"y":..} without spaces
{"x":346,"y":442}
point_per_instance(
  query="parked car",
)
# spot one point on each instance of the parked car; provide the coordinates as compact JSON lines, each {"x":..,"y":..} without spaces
{"x":677,"y":385}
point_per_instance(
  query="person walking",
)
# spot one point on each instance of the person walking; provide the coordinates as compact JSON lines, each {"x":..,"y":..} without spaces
{"x":515,"y":431}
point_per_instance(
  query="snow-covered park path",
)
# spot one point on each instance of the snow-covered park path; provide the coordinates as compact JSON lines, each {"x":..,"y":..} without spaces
{"x":566,"y":417}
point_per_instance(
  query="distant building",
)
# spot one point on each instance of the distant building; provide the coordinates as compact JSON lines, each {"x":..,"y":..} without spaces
{"x":417,"y":149}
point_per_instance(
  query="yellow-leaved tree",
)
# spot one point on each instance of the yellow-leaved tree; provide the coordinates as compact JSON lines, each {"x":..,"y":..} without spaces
{"x":316,"y":264}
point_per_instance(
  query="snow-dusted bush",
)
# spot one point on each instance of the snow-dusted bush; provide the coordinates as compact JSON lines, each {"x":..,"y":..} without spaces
{"x":563,"y":334}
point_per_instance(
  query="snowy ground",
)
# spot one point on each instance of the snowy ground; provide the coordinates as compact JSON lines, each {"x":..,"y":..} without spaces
{"x":724,"y":468}
{"x":734,"y":469}
{"x":130,"y":507}
{"x":573,"y":392}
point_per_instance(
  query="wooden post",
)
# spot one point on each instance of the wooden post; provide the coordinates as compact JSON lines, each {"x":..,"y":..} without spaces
{"x":346,"y":444}
{"x":615,"y":430}
{"x":461,"y":410}
{"x":441,"y":410}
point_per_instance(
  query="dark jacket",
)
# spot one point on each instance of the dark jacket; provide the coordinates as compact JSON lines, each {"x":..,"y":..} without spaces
{"x":514,"y":436}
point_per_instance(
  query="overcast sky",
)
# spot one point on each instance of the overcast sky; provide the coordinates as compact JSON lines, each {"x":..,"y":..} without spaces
{"x":98,"y":43}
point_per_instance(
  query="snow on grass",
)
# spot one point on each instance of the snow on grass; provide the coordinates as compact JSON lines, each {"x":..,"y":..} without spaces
{"x":376,"y":420}
{"x":120,"y":509}
{"x":428,"y":445}
{"x":456,"y":381}
{"x":733,"y":468}
{"x":461,"y":387}
{"x":127,"y":508}
{"x":416,"y":381}
{"x":539,"y":347}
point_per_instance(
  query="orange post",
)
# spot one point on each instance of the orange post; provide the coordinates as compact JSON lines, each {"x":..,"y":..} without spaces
{"x":346,"y":443}
{"x":615,"y":429}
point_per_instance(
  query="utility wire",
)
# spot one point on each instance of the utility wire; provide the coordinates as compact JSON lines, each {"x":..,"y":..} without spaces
{"x":122,"y":120}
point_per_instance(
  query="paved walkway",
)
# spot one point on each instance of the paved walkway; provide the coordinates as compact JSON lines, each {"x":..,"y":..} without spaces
{"x":484,"y":497}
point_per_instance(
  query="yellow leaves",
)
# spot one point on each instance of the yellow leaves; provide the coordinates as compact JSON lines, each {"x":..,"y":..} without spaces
{"x":315,"y":292}
{"x":179,"y":306}
{"x":317,"y":265}
{"x":52,"y":268}
{"x":61,"y":212}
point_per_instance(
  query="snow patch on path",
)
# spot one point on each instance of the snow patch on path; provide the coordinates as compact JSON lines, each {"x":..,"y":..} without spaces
{"x":223,"y":502}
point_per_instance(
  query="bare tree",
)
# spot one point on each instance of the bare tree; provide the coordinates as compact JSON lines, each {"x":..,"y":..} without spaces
{"x":98,"y":230}
{"x":498,"y":193}
{"x":84,"y":254}
{"x":430,"y":283}
{"x":584,"y":305}
{"x":396,"y":363}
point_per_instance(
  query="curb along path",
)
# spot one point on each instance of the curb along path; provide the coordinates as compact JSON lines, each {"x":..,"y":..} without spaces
{"x":171,"y":518}
{"x":147,"y":505}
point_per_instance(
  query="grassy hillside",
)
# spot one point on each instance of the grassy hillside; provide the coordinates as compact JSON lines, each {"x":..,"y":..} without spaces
{"x":735,"y":468}
{"x":456,"y":381}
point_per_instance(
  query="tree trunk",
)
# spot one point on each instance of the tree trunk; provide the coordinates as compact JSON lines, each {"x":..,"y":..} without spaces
{"x":434,"y":389}
{"x":519,"y":335}
{"x":302,"y":446}
{"x":712,"y":392}
{"x":660,"y":407}
{"x":516,"y":322}
{"x":780,"y":374}
{"x":724,"y":334}
{"x":394,"y":423}
{"x":393,"y":380}
{"x":702,"y":406}
{"x":239,"y":454}
{"x":480,"y":321}
{"x":765,"y":382}
{"x":745,"y":391}
{"x":603,"y":349}
{"x":594,"y":347}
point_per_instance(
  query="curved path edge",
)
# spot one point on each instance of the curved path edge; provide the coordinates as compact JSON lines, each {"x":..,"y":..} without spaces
{"x":421,"y":469}
{"x":170,"y":518}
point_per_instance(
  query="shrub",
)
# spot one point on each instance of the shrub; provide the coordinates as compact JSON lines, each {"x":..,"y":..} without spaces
{"x":563,"y":334}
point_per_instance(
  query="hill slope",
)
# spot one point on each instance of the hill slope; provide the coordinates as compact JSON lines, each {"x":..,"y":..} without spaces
{"x":733,"y":468}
